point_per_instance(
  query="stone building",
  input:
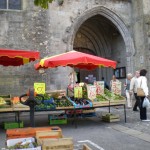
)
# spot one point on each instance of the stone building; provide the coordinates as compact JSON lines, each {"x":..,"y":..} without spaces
{"x":113,"y":29}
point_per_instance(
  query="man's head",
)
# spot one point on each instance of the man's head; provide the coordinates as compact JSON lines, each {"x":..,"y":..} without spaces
{"x":137,"y":73}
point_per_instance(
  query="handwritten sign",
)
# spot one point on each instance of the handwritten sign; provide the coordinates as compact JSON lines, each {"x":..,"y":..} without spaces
{"x":99,"y":87}
{"x":78,"y":92}
{"x":116,"y":87}
{"x":39,"y":88}
{"x":91,"y":91}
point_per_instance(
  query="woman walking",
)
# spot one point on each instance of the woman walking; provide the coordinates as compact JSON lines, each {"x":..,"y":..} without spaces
{"x":127,"y":90}
{"x":142,"y":83}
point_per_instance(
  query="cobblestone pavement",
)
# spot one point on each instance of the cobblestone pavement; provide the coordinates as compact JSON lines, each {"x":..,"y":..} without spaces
{"x":133,"y":119}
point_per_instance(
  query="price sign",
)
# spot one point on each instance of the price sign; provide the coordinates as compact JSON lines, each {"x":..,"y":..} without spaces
{"x":91,"y":90}
{"x":78,"y":92}
{"x":39,"y":88}
{"x":99,"y":87}
{"x":116,"y":87}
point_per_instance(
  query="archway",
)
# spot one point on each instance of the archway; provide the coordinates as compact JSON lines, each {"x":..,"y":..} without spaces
{"x":116,"y":24}
{"x":109,"y":20}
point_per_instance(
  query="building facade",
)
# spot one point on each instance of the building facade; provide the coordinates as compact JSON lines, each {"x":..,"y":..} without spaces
{"x":113,"y":29}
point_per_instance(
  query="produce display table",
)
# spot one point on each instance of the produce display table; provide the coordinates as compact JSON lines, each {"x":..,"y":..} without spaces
{"x":109,"y":104}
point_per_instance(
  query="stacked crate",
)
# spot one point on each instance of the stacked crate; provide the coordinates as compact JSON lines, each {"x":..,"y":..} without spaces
{"x":57,"y":119}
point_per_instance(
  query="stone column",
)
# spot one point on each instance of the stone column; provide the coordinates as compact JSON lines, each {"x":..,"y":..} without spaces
{"x":138,"y":34}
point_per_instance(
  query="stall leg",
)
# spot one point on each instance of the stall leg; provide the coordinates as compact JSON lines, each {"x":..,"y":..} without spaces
{"x":16,"y":119}
{"x":109,"y":106}
{"x":74,"y":118}
{"x":125,"y":113}
{"x":32,"y":121}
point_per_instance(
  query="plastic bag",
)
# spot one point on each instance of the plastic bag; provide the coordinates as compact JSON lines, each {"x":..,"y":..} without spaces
{"x":146,"y":103}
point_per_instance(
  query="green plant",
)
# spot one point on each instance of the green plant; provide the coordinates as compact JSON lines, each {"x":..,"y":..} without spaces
{"x":42,"y":3}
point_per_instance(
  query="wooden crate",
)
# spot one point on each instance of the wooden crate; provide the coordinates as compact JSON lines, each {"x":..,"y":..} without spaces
{"x":60,"y":92}
{"x":57,"y":144}
{"x":85,"y":147}
{"x":110,"y":117}
{"x":7,"y":99}
{"x":42,"y":135}
{"x":28,"y":132}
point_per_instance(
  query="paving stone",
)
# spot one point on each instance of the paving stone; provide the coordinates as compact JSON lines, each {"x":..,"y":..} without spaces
{"x":132,"y":132}
{"x":145,"y":137}
{"x":119,"y":127}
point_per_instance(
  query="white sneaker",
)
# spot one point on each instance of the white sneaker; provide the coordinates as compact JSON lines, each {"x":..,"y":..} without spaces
{"x":146,"y":120}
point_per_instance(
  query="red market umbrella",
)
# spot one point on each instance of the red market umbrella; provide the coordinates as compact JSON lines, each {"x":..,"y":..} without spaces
{"x":10,"y":57}
{"x":75,"y":59}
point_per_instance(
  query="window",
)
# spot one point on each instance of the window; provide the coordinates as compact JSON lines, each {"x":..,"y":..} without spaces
{"x":10,"y":4}
{"x":120,"y":73}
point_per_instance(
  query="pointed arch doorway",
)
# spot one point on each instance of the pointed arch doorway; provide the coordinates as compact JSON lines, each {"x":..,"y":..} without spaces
{"x":103,"y":33}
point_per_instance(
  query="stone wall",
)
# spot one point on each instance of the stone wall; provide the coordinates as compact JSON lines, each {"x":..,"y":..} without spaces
{"x":52,"y":32}
{"x":140,"y":25}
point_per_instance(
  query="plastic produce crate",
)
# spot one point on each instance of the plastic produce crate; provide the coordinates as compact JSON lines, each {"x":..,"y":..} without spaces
{"x":46,"y":105}
{"x":57,"y":119}
{"x":13,"y":125}
{"x":88,"y":105}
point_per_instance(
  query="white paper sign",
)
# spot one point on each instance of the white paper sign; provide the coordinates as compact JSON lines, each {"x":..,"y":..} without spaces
{"x":91,"y":91}
{"x":116,"y":87}
{"x":99,"y":87}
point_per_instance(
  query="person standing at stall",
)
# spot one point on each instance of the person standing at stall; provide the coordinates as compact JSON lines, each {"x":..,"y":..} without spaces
{"x":105,"y":83}
{"x":133,"y":89}
{"x":142,"y":83}
{"x":127,"y":90}
{"x":113,"y":80}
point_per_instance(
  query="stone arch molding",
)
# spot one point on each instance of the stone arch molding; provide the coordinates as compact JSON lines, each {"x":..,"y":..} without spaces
{"x":115,"y":19}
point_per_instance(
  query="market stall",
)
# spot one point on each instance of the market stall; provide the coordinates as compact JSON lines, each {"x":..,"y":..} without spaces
{"x":85,"y":97}
{"x":11,"y":57}
{"x":76,"y":92}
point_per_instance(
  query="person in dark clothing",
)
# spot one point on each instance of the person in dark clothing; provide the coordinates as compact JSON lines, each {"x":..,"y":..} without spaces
{"x":105,"y":83}
{"x":142,"y":83}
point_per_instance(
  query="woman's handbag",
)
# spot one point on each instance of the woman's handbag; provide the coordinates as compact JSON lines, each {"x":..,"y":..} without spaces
{"x":140,"y":91}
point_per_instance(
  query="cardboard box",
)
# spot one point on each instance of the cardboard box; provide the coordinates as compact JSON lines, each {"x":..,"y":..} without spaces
{"x":12,"y":142}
